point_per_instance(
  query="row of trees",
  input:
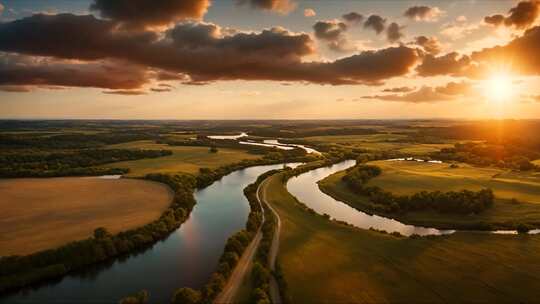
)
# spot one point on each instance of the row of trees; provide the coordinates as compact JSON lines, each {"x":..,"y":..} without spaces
{"x":70,"y":141}
{"x":234,"y":248}
{"x":19,"y":271}
{"x":69,"y":163}
{"x":480,"y":154}
{"x":462,"y":202}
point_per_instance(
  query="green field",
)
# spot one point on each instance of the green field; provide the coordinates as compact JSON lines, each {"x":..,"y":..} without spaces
{"x":408,"y":177}
{"x":187,"y":159}
{"x":380,"y":142}
{"x":325,"y":262}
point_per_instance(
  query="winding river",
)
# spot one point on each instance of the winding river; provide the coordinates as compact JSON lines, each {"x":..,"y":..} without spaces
{"x":305,"y":188}
{"x":186,"y":258}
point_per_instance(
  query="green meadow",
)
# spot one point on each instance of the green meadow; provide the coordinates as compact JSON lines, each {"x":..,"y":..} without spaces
{"x":187,"y":159}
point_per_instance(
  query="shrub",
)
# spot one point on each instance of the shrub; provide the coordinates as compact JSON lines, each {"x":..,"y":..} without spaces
{"x":186,"y":296}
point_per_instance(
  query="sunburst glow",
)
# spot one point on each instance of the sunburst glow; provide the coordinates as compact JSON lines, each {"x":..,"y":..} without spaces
{"x":499,"y":88}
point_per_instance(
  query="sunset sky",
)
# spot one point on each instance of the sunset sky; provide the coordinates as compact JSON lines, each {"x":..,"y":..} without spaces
{"x":269,"y":59}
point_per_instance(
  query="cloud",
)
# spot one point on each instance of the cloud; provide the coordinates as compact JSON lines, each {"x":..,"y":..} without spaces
{"x":459,"y":29}
{"x":333,"y":32}
{"x":278,"y":6}
{"x":309,"y":12}
{"x":393,"y":32}
{"x":375,"y":22}
{"x":353,"y":17}
{"x":329,"y":30}
{"x":399,"y":90}
{"x":15,"y":88}
{"x":125,"y":92}
{"x":143,"y":13}
{"x":519,"y":55}
{"x":423,"y":13}
{"x":521,"y":16}
{"x":160,"y":90}
{"x":200,"y":53}
{"x":427,"y":94}
{"x":450,"y":64}
{"x":494,"y":19}
{"x":18,"y":70}
{"x":430,"y":44}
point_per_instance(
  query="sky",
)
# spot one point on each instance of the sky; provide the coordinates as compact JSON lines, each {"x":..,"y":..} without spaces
{"x":269,"y":59}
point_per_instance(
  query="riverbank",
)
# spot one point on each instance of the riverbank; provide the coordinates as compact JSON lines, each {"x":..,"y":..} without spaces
{"x":324,"y":261}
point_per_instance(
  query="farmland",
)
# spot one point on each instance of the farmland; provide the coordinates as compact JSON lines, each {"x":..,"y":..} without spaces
{"x":40,"y":214}
{"x":186,"y":159}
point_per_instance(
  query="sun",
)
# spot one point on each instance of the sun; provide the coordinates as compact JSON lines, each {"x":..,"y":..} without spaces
{"x":498,"y":88}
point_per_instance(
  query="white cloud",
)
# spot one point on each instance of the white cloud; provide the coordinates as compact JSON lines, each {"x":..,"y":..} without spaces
{"x":309,"y":12}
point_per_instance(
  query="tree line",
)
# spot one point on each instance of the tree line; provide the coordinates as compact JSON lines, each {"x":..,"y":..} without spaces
{"x":502,"y":156}
{"x":69,"y":163}
{"x":461,"y":202}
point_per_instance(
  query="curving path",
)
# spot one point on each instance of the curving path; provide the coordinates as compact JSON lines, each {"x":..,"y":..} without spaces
{"x":275,"y":296}
{"x":244,"y":264}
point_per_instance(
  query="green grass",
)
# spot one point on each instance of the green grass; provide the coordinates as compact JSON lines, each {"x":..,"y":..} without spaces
{"x":380,"y":142}
{"x":408,"y":177}
{"x":325,"y":262}
{"x":502,"y":215}
{"x":187,"y":159}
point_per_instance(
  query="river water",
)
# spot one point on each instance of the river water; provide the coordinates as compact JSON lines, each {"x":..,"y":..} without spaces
{"x":304,"y":187}
{"x":186,"y":258}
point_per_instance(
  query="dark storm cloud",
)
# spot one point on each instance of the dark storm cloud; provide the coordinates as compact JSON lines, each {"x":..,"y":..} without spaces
{"x":393,"y":32}
{"x":353,"y":17}
{"x":422,"y":13}
{"x":279,"y":6}
{"x":521,"y":16}
{"x":375,"y":22}
{"x":430,"y":45}
{"x":143,"y":13}
{"x":196,"y":53}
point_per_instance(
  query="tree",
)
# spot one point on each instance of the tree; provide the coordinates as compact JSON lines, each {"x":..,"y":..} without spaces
{"x":139,"y":298}
{"x":186,"y":295}
{"x":522,"y":228}
{"x":101,"y":233}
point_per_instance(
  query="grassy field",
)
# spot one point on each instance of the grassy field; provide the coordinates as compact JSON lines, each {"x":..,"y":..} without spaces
{"x":185,"y":159}
{"x":325,"y":262}
{"x":408,"y":177}
{"x":502,"y":215}
{"x":39,"y":214}
{"x":380,"y":142}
